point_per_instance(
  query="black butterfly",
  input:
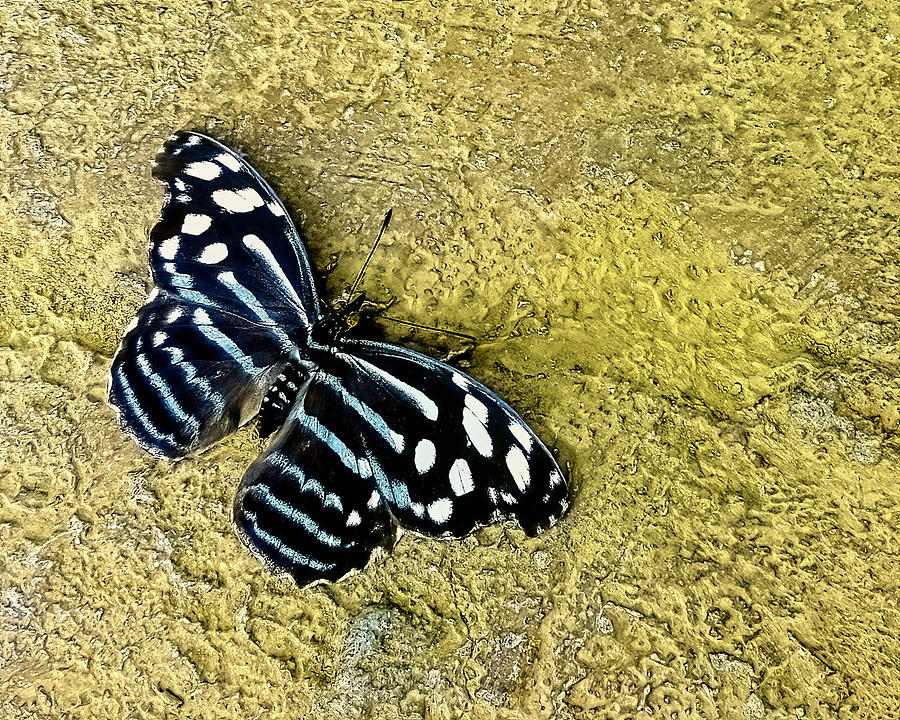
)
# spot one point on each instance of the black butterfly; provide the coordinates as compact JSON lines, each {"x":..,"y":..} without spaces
{"x":370,"y":435}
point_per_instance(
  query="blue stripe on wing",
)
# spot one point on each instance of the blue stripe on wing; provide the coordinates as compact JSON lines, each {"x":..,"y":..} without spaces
{"x":185,"y":376}
{"x":306,"y":506}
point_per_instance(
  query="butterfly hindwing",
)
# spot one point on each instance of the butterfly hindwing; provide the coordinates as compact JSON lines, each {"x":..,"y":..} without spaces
{"x":186,"y":376}
{"x":308,"y":505}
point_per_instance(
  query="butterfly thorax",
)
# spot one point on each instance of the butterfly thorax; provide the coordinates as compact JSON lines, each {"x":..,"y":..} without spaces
{"x":336,"y":323}
{"x":323,"y":340}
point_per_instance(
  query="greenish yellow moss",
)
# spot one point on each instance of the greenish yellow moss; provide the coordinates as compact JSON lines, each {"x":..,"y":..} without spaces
{"x":672,"y":227}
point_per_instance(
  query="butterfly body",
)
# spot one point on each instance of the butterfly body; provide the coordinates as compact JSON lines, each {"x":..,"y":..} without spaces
{"x":323,"y":341}
{"x":366,"y":436}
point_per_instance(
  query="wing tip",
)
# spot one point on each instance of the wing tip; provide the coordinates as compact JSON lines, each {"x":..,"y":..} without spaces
{"x":168,"y":161}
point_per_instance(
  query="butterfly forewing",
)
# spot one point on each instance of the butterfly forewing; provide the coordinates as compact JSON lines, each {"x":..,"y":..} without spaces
{"x":308,"y":505}
{"x":225,"y":239}
{"x":234,"y":295}
{"x":454,"y":456}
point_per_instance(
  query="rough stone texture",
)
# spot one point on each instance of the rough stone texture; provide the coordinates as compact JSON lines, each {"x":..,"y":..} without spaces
{"x":673,"y":227}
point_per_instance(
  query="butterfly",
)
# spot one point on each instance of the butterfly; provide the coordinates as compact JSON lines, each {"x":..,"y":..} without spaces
{"x":365,"y":436}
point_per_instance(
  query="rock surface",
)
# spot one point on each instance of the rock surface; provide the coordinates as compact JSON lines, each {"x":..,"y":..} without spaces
{"x":673,"y":227}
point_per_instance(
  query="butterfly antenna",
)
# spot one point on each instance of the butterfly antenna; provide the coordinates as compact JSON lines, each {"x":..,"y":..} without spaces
{"x":384,"y":224}
{"x":464,"y":336}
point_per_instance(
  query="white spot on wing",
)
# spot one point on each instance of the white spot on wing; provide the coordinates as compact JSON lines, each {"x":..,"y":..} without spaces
{"x":237,"y":201}
{"x":174,"y":314}
{"x":521,"y":434}
{"x":478,"y":408}
{"x":518,"y":468}
{"x":353,"y":519}
{"x":374,"y":500}
{"x":168,"y":248}
{"x":195,"y":224}
{"x":461,"y":477}
{"x":440,"y":510}
{"x":213,"y":254}
{"x":476,"y":431}
{"x":461,"y":380}
{"x":204,"y":170}
{"x":276,"y":209}
{"x":159,"y":338}
{"x":425,"y":456}
{"x":229,"y":161}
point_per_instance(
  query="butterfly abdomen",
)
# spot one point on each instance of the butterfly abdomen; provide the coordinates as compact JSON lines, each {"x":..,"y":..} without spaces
{"x":280,"y":397}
